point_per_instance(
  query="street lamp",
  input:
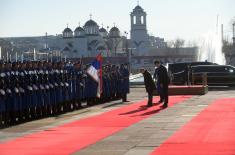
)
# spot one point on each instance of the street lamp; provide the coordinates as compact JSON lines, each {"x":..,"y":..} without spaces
{"x":127,"y":51}
{"x":234,"y":33}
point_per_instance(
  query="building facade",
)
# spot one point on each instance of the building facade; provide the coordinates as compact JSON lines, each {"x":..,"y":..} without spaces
{"x":89,"y":40}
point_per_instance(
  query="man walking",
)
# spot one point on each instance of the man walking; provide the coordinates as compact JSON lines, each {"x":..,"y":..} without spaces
{"x":149,"y":85}
{"x":163,"y":81}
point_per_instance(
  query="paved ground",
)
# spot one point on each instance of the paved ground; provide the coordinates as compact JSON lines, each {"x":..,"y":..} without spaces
{"x":138,"y":139}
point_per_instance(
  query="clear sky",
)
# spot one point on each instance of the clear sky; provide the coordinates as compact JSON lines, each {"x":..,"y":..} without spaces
{"x":187,"y":19}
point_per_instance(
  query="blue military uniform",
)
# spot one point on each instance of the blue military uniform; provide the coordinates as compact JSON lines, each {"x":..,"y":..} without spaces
{"x":125,"y":82}
{"x":29,"y":91}
{"x":78,"y":86}
{"x":47,"y":93}
{"x":65,"y":81}
{"x":23,"y":93}
{"x":53,"y":89}
{"x":2,"y":98}
{"x":90,"y":90}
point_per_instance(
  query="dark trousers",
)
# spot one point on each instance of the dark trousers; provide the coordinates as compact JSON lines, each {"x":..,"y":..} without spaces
{"x":124,"y":97}
{"x":159,"y":90}
{"x":150,"y":98}
{"x":164,"y":94}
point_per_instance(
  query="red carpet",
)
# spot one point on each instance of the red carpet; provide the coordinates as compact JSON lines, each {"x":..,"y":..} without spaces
{"x":212,"y":132}
{"x":74,"y":136}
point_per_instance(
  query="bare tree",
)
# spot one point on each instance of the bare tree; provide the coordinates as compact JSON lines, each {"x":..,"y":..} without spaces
{"x":113,"y":44}
{"x":178,"y":43}
{"x":170,"y":44}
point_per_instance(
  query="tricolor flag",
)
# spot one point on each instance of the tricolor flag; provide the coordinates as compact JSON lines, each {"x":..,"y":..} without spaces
{"x":95,"y":71}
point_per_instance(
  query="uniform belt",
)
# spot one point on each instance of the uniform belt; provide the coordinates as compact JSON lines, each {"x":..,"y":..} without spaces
{"x":35,"y":87}
{"x":9,"y":91}
{"x":51,"y":85}
{"x":21,"y":90}
{"x":16,"y":90}
{"x":42,"y":87}
{"x":2,"y":92}
{"x":47,"y":86}
{"x":30,"y":88}
{"x":66,"y":84}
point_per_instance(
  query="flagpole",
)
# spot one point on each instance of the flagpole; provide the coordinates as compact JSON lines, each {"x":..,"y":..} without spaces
{"x":16,"y":57}
{"x":7,"y":56}
{"x":0,"y":53}
{"x":22,"y":58}
{"x":51,"y":56}
{"x":34,"y":54}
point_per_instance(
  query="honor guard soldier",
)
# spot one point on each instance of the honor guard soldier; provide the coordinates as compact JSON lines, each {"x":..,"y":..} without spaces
{"x":15,"y":89}
{"x":53,"y":89}
{"x":10,"y":97}
{"x":59,"y":93}
{"x":60,"y":68}
{"x":23,"y":91}
{"x":105,"y":85}
{"x":2,"y":96}
{"x":79,"y":86}
{"x":28,"y":90}
{"x":67,"y":103}
{"x":125,"y":81}
{"x":47,"y":95}
{"x":109,"y":86}
{"x":71,"y":90}
{"x":114,"y":83}
{"x":35,"y":96}
{"x":41,"y":106}
{"x":91,"y":89}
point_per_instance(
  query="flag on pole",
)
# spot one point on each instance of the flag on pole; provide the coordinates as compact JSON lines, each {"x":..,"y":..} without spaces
{"x":95,"y":71}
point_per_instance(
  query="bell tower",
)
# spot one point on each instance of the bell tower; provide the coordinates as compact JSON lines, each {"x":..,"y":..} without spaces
{"x":139,"y":35}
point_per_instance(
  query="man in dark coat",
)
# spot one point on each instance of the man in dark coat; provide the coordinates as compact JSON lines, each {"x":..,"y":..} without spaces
{"x":149,"y":85}
{"x":163,"y":81}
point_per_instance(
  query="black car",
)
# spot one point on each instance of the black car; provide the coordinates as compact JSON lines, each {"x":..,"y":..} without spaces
{"x":219,"y":75}
{"x":180,"y":73}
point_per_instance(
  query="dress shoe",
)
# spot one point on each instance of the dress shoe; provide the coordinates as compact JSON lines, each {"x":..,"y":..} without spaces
{"x":164,"y":106}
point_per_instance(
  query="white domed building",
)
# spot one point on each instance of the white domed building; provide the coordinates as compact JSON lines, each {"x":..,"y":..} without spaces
{"x":89,"y":40}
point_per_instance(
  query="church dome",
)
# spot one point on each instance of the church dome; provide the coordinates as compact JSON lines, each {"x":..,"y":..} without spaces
{"x":67,"y":30}
{"x":138,"y":8}
{"x":114,"y":32}
{"x":113,"y":29}
{"x":79,"y":32}
{"x":79,"y":29}
{"x":90,"y":23}
{"x":91,"y":27}
{"x":103,"y":30}
{"x":67,"y":33}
